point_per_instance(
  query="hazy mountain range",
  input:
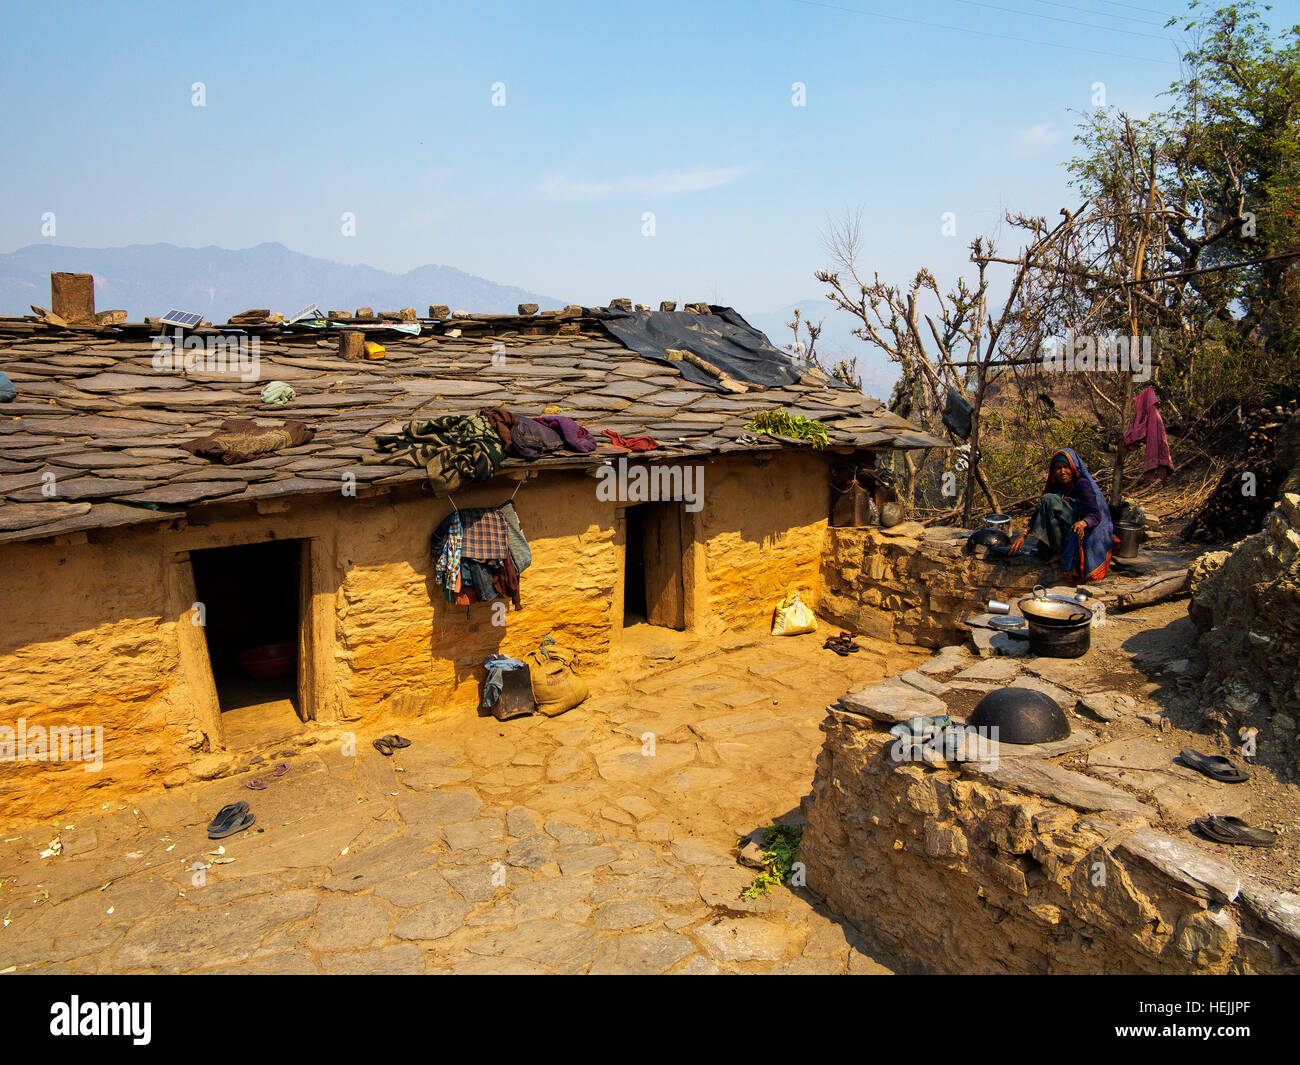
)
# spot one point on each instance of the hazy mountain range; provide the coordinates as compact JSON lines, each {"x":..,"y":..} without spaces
{"x":148,"y":279}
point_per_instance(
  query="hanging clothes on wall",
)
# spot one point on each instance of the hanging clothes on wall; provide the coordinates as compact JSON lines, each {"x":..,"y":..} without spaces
{"x":480,"y":552}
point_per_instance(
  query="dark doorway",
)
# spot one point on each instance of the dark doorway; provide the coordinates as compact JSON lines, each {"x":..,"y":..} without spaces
{"x":653,"y":589}
{"x":250,"y":596}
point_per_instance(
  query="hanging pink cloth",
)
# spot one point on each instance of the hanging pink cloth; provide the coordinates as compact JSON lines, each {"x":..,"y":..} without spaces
{"x":1148,"y":429}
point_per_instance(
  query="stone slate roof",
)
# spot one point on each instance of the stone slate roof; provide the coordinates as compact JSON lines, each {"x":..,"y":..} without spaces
{"x":92,"y":409}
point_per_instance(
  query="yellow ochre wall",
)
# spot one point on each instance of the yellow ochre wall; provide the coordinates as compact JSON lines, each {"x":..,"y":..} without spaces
{"x":91,"y":632}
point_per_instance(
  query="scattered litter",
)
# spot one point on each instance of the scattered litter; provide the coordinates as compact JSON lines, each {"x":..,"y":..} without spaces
{"x":221,"y":861}
{"x":344,"y":851}
{"x":13,"y":839}
{"x":7,"y":918}
{"x":219,"y":850}
{"x":170,"y":849}
{"x":55,"y":848}
{"x":11,"y":969}
{"x":104,"y":807}
{"x":110,"y":910}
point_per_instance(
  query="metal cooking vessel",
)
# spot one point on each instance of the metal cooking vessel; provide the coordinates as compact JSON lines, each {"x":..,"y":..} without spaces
{"x":1059,"y":626}
{"x":1021,"y":715}
{"x":1000,"y":522}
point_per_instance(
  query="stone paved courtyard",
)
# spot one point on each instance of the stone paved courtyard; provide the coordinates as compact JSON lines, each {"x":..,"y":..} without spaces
{"x":599,"y":841}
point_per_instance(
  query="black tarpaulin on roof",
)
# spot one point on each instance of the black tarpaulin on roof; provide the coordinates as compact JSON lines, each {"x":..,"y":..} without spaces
{"x":722,"y":338}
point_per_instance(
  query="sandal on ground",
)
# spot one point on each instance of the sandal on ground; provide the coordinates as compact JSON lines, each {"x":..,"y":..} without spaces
{"x":280,"y":770}
{"x":384,"y":747}
{"x":1234,"y":830}
{"x":229,"y":820}
{"x":239,"y":826}
{"x":256,"y":785}
{"x":396,"y":742}
{"x":227,"y":816}
{"x":834,"y":643}
{"x":1215,"y":766}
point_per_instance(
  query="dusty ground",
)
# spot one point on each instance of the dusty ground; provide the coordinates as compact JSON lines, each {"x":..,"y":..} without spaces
{"x":598,"y":841}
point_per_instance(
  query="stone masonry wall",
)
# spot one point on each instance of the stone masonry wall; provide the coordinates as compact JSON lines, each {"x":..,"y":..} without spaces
{"x":958,"y":875}
{"x":913,"y":588}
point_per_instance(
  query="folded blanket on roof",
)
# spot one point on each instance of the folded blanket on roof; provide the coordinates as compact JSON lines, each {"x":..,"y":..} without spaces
{"x":576,"y":438}
{"x":530,"y":439}
{"x":241,"y":439}
{"x":454,"y":449}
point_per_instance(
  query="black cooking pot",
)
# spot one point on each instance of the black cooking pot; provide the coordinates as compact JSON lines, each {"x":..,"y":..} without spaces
{"x":1021,"y":715}
{"x":986,"y":538}
{"x":1059,"y":627}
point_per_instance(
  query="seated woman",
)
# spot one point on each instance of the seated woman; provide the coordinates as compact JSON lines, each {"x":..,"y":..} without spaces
{"x":1072,"y":521}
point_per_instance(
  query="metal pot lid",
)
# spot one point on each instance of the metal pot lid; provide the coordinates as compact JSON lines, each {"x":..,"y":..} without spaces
{"x":1007,"y":623}
{"x":1021,"y":715}
{"x":1054,"y":609}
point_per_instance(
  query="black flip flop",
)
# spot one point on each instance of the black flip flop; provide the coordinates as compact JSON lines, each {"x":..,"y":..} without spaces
{"x":1233,"y":830}
{"x":238,"y":826}
{"x":396,"y":742}
{"x":384,"y":747}
{"x":227,"y":817}
{"x":1214,"y":766}
{"x":835,"y":644}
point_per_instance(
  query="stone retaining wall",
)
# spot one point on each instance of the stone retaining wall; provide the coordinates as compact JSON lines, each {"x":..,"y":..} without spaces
{"x":913,"y":585}
{"x":1021,"y":867}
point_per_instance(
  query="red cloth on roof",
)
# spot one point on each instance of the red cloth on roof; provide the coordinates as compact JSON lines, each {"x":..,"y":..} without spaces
{"x":1148,"y":429}
{"x":632,"y":443}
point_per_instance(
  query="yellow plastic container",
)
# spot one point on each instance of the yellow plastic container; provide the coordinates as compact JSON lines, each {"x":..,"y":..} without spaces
{"x":373,"y":350}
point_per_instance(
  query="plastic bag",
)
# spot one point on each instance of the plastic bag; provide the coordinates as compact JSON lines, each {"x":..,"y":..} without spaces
{"x":792,"y":617}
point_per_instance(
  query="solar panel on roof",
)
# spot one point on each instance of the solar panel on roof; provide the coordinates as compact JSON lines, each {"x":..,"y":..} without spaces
{"x":309,"y":313}
{"x":186,"y":319}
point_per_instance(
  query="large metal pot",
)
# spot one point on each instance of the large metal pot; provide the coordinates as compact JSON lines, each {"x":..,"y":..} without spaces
{"x":1059,"y":627}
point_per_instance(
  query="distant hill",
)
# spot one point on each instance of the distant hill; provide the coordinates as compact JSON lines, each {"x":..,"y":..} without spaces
{"x":877,"y":373}
{"x":148,"y":279}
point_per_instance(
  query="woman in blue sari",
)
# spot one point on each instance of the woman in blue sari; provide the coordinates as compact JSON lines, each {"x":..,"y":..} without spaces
{"x":1072,"y":520}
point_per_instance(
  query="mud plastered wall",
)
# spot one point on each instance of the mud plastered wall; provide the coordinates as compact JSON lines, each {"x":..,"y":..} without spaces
{"x":83,"y":644}
{"x":763,"y":527}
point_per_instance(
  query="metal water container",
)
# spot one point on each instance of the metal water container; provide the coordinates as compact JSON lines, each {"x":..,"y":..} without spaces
{"x":1131,"y":534}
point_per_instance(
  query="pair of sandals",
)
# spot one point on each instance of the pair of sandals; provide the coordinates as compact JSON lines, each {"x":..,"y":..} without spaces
{"x":1233,"y":830}
{"x":230,"y":819}
{"x":386,"y":745}
{"x":842,"y":644}
{"x":258,"y":784}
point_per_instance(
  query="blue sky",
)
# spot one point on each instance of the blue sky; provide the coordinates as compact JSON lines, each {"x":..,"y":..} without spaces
{"x":611,"y":111}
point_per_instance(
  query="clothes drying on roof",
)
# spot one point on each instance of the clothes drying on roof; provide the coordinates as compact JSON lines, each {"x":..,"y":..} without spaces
{"x":576,"y":437}
{"x":241,"y":440}
{"x":531,"y":439}
{"x":454,"y":449}
{"x":632,"y":443}
{"x":502,"y":421}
